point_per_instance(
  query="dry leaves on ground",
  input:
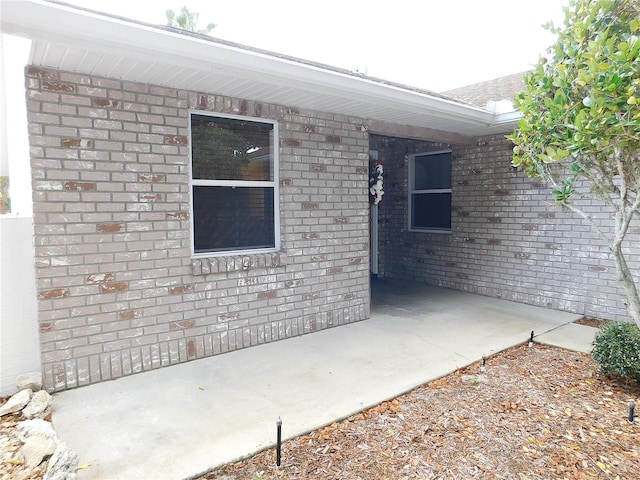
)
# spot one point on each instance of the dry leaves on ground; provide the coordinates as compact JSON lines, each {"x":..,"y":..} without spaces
{"x":536,"y":413}
{"x":12,"y":465}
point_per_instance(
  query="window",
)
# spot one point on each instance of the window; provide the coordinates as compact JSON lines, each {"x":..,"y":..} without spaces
{"x":430,"y":192}
{"x":234,"y":165}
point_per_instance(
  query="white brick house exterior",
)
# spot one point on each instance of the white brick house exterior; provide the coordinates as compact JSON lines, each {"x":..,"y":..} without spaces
{"x":119,"y":289}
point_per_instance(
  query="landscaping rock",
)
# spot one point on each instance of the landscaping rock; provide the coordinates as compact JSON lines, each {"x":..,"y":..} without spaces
{"x":37,"y":449}
{"x":33,"y":428}
{"x":40,"y":441}
{"x":39,"y":406}
{"x":32,"y":381}
{"x":17,"y":402}
{"x":63,"y":465}
{"x":30,"y":443}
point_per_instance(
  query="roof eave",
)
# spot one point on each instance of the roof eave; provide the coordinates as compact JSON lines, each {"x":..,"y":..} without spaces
{"x":53,"y":22}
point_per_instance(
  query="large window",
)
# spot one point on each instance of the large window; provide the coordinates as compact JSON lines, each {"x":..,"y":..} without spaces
{"x":430,"y":192}
{"x":234,"y":184}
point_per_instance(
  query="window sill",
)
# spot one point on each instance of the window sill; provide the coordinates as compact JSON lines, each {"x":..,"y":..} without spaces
{"x":432,"y":230}
{"x":236,"y":263}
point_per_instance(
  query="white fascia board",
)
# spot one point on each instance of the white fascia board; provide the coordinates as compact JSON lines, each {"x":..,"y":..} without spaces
{"x":508,"y":118}
{"x":38,"y":19}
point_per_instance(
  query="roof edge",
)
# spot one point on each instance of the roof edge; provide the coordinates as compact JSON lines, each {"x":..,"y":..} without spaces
{"x":122,"y":36}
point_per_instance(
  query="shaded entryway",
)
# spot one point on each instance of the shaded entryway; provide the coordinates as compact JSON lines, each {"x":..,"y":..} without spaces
{"x":179,"y":421}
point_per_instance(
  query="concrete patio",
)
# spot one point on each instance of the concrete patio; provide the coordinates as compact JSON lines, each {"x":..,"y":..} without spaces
{"x":181,"y":421}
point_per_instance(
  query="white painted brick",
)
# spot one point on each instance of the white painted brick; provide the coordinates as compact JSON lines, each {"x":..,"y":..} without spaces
{"x":529,"y":280}
{"x":130,"y":140}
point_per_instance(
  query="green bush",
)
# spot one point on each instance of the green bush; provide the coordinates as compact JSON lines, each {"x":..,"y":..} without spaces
{"x":616,"y":348}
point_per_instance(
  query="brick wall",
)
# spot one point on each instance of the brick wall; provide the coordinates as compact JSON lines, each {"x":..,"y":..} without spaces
{"x":508,"y":239}
{"x":118,"y":290}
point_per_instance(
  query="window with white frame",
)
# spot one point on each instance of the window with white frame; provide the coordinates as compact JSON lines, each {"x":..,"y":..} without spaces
{"x":234,"y":169}
{"x":430,"y":192}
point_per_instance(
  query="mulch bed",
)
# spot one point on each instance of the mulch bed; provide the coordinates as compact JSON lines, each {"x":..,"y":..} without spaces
{"x":12,"y":465}
{"x":592,"y":322}
{"x":535,"y":413}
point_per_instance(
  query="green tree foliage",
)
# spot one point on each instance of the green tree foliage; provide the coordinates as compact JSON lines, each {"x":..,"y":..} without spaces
{"x":580,"y":129}
{"x":187,"y":20}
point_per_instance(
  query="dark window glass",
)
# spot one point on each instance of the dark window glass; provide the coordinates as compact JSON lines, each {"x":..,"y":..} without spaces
{"x":431,"y":210}
{"x":230,"y":149}
{"x":231,"y":218}
{"x":432,"y":171}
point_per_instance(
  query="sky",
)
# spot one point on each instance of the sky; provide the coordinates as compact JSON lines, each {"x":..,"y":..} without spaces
{"x":432,"y":44}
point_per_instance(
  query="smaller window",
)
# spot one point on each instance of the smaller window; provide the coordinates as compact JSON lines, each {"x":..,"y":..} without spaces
{"x":430,"y":192}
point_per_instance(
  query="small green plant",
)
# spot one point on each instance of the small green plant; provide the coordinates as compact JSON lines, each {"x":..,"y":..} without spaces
{"x":616,"y":349}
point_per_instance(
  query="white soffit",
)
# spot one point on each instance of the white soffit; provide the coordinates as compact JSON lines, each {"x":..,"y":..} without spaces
{"x":76,"y":40}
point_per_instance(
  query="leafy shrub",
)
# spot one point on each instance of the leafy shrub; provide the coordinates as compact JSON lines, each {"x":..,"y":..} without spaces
{"x":616,"y":349}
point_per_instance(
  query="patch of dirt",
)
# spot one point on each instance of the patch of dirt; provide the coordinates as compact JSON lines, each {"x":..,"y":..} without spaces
{"x":592,"y":322}
{"x":535,"y":413}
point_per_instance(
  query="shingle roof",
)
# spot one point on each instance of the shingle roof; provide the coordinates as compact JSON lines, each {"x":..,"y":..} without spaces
{"x":479,"y":94}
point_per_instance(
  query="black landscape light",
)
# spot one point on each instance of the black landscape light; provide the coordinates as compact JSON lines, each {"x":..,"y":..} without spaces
{"x":278,"y":441}
{"x":632,"y":407}
{"x":531,"y":340}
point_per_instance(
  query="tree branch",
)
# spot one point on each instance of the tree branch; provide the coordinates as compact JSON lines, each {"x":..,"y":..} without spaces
{"x":590,"y":220}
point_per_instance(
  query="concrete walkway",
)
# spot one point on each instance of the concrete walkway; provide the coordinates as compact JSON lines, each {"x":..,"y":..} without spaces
{"x":181,"y":421}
